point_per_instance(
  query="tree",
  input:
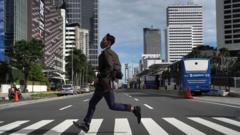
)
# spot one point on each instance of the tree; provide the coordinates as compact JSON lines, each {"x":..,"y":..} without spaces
{"x":79,"y":65}
{"x":26,"y":54}
{"x":36,"y":73}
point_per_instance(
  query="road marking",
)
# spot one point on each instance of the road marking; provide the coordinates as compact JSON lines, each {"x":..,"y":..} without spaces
{"x":12,"y":126}
{"x":136,"y":99}
{"x":122,"y":127}
{"x":183,"y":127}
{"x":148,"y":106}
{"x":229,"y":121}
{"x":215,"y":126}
{"x":65,"y":107}
{"x":129,"y":96}
{"x":233,"y":106}
{"x":152,"y":127}
{"x":32,"y":128}
{"x":94,"y":127}
{"x":1,"y":122}
{"x":86,"y":100}
{"x":61,"y":127}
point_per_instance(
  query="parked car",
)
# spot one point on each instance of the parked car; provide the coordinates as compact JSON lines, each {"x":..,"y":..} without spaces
{"x":85,"y":89}
{"x":67,"y":89}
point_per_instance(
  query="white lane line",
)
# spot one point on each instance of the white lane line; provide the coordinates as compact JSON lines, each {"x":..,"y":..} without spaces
{"x":60,"y":128}
{"x":94,"y":127}
{"x":122,"y":127}
{"x":1,"y":122}
{"x":215,"y":126}
{"x":183,"y":127}
{"x":65,"y":107}
{"x":86,"y":100}
{"x":148,"y":106}
{"x":227,"y":120}
{"x":136,"y":99}
{"x":32,"y":128}
{"x":12,"y":126}
{"x":152,"y":127}
{"x":217,"y":103}
{"x":129,"y":96}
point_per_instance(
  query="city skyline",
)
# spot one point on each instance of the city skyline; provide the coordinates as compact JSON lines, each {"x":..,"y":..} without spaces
{"x":126,"y":22}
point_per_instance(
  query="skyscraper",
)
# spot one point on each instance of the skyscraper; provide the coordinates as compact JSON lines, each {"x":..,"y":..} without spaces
{"x":184,"y":30}
{"x":152,"y":47}
{"x":2,"y":45}
{"x":152,"y":41}
{"x":228,"y":25}
{"x":85,"y":13}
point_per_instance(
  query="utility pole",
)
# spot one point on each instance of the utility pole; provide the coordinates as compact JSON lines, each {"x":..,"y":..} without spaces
{"x":72,"y":65}
{"x":126,"y":73}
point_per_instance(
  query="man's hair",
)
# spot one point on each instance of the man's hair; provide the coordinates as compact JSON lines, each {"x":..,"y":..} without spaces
{"x":111,"y":38}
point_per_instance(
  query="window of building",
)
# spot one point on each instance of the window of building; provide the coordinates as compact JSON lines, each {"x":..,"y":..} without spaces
{"x":228,"y":42}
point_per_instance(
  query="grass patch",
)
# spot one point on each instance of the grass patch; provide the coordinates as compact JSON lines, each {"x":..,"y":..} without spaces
{"x":44,"y":94}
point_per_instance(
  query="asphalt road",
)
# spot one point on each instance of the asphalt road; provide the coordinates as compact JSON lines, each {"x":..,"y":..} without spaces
{"x":161,"y":115}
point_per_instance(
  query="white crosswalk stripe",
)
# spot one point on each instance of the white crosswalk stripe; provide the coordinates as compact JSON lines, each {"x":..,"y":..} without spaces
{"x":215,"y":126}
{"x":32,"y":128}
{"x":122,"y":127}
{"x":94,"y":127}
{"x":183,"y":127}
{"x":60,"y":128}
{"x":11,"y":126}
{"x":152,"y":127}
{"x":229,"y":121}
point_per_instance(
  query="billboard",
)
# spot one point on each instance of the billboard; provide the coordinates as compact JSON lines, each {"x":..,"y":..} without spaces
{"x":2,"y":46}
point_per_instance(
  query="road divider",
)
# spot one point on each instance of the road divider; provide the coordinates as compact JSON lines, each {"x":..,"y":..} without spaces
{"x":65,"y":107}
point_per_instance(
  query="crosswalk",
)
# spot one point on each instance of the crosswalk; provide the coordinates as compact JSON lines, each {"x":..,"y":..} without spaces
{"x":220,"y":125}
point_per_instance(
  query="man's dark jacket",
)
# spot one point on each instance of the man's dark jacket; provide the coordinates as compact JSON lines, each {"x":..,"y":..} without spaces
{"x":108,"y":64}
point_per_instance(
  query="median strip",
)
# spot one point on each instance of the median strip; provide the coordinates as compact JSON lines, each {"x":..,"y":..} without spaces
{"x":148,"y":106}
{"x":65,"y":107}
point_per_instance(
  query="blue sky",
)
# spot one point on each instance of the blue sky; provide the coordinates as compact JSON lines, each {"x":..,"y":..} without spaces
{"x":125,"y":19}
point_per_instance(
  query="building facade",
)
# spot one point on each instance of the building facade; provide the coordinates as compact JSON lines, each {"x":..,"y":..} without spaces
{"x":184,"y":30}
{"x":84,"y":41}
{"x":2,"y":18}
{"x":228,"y":25}
{"x":152,"y":43}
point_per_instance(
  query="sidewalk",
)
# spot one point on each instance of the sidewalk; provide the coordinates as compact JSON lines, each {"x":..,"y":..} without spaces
{"x":10,"y":104}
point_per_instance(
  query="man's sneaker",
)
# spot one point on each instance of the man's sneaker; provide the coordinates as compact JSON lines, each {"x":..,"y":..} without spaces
{"x":137,"y":113}
{"x":82,"y":126}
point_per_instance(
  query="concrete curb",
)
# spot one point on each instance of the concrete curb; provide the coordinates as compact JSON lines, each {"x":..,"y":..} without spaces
{"x":22,"y":103}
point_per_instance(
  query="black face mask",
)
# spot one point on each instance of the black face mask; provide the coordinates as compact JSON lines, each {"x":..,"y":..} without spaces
{"x":102,"y":45}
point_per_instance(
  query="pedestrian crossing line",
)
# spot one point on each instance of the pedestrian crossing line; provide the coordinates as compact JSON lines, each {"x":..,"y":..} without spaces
{"x":227,"y":120}
{"x":12,"y":126}
{"x":215,"y":126}
{"x":94,"y":127}
{"x":152,"y":127}
{"x":32,"y":128}
{"x":183,"y":127}
{"x":61,"y":127}
{"x":122,"y":127}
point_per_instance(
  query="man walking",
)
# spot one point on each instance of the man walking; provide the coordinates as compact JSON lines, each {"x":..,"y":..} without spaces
{"x":109,"y":70}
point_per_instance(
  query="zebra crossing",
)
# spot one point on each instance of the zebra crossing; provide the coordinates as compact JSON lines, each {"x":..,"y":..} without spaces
{"x":122,"y":126}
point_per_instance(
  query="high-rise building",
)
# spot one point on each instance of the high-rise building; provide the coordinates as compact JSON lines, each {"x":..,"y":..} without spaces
{"x":85,"y":13}
{"x":90,"y":22}
{"x":184,"y":30}
{"x":152,"y":48}
{"x":228,"y":25}
{"x":2,"y":17}
{"x":53,"y":36}
{"x":84,"y":41}
{"x":72,"y":38}
{"x":152,"y":44}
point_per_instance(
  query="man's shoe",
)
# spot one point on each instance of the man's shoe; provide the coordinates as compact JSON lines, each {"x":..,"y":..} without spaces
{"x":82,"y":126}
{"x":137,"y":113}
